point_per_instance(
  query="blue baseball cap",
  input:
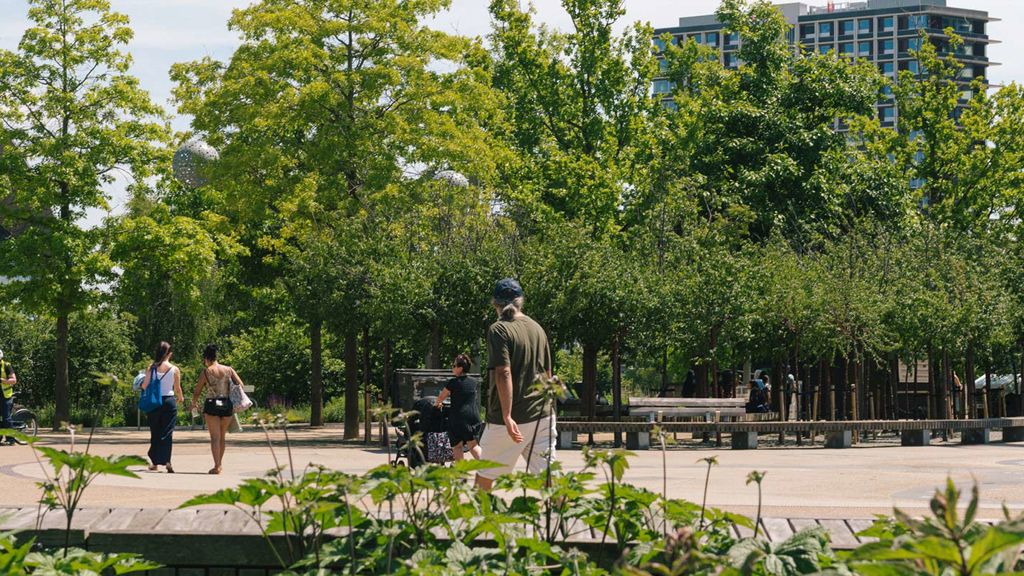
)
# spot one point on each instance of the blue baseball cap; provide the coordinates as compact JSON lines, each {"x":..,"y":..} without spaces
{"x":507,"y":290}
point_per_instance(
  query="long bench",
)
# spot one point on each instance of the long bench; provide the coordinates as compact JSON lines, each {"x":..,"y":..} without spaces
{"x":649,"y":410}
{"x":838,"y":433}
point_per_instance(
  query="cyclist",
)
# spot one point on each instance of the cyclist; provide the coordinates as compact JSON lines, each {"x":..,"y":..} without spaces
{"x":7,"y":381}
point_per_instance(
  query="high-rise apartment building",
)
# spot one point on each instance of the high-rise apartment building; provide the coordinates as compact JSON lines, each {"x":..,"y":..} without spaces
{"x":881,"y":31}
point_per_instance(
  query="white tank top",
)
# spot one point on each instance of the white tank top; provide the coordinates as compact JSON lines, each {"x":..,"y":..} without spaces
{"x":167,"y":381}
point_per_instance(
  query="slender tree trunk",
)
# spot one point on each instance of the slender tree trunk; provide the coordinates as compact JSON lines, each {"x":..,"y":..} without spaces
{"x":367,"y":404}
{"x":947,"y":400}
{"x":702,"y":380}
{"x":617,"y":387}
{"x":714,"y":364}
{"x":589,"y":408}
{"x":986,"y":391}
{"x":62,"y":388}
{"x":830,"y":386}
{"x":664,"y":371}
{"x":434,"y":353}
{"x":971,"y":407}
{"x":386,"y":386}
{"x":316,"y":377}
{"x":351,"y":386}
{"x":933,"y":391}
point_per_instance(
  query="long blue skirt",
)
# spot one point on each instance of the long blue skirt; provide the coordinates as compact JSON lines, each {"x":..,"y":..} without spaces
{"x":161,"y":431}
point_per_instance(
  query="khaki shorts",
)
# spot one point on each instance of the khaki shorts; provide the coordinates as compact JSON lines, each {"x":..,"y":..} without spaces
{"x":498,"y":447}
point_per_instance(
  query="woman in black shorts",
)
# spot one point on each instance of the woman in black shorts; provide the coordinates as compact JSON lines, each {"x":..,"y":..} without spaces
{"x":464,"y":421}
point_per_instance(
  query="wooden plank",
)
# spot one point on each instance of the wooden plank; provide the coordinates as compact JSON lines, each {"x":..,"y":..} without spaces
{"x":691,"y":412}
{"x":208,"y":520}
{"x":688,"y":402}
{"x":859,"y":525}
{"x":842,"y":537}
{"x":799,"y":524}
{"x":19,"y":519}
{"x":180,"y":520}
{"x":117,"y":519}
{"x":777,"y":529}
{"x":146,"y":519}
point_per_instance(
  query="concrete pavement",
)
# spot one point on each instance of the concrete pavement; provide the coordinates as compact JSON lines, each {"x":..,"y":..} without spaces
{"x":811,"y":482}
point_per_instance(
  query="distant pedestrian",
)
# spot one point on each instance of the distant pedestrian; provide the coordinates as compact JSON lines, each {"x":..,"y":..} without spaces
{"x":464,"y":418}
{"x":7,"y":381}
{"x":216,"y":379}
{"x":517,"y":355}
{"x":163,"y":420}
{"x":690,"y":384}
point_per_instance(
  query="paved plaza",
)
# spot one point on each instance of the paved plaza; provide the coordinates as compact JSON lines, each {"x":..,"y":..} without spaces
{"x":810,"y":481}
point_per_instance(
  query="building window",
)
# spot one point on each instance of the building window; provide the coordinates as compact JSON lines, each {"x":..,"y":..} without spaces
{"x":846,"y":48}
{"x":915,"y":22}
{"x":967,"y":73}
{"x":806,"y":31}
{"x":732,"y":39}
{"x":864,"y":26}
{"x":886,"y":114}
{"x":864,"y":48}
{"x":699,"y":39}
{"x":887,"y":91}
{"x":885,"y":24}
{"x":908,"y":44}
{"x":824,"y":48}
{"x":662,"y":86}
{"x":662,"y":65}
{"x":911,"y":65}
{"x":885,"y":47}
{"x":846,"y":27}
{"x":887,"y":68}
{"x":731,"y":60}
{"x":825,"y":29}
{"x":711,"y":39}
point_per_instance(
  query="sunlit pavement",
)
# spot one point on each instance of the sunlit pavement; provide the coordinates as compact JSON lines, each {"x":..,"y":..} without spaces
{"x":800,"y":482}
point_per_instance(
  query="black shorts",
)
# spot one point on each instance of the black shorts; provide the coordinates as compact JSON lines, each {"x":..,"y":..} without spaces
{"x":218,"y":407}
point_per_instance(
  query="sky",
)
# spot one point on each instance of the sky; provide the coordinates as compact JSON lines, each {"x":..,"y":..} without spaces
{"x":169,"y":31}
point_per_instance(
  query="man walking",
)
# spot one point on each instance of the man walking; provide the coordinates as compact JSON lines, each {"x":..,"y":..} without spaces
{"x":7,"y":381}
{"x":517,"y":356}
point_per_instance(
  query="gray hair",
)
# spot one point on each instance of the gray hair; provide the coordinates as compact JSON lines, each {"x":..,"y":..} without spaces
{"x":508,"y":308}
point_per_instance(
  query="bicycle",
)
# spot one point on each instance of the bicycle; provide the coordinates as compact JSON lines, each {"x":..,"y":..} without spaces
{"x":24,"y":421}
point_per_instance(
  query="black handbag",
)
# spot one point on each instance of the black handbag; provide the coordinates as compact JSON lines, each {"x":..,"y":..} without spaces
{"x":218,"y":407}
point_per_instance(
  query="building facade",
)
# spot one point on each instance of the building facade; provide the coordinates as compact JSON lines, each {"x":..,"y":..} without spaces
{"x":881,"y":31}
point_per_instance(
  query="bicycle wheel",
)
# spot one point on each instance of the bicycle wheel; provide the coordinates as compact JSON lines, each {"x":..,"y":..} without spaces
{"x":25,"y":422}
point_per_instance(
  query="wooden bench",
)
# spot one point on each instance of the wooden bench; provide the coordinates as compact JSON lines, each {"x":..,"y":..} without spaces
{"x":672,"y":409}
{"x":838,"y":433}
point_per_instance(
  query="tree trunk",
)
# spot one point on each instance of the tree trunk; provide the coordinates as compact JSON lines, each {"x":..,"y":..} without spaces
{"x":386,"y":389}
{"x":664,"y":372}
{"x":589,"y":407}
{"x":351,"y":386}
{"x":972,"y":407}
{"x":985,"y":393}
{"x":617,"y":387}
{"x":316,"y":377}
{"x":61,"y":387}
{"x":947,"y":401}
{"x":367,"y":404}
{"x":702,"y":380}
{"x":831,"y":388}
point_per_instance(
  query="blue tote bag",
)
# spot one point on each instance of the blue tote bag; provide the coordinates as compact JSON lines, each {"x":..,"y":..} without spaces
{"x":150,"y":399}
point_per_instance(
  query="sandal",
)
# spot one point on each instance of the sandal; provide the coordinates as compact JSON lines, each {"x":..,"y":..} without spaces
{"x":170,"y":469}
{"x":214,"y":471}
{"x":152,"y":467}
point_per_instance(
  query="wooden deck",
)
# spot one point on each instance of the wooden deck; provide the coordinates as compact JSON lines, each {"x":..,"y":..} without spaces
{"x":227,"y":541}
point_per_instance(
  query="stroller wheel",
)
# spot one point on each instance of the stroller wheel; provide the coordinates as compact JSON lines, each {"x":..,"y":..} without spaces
{"x":398,"y":462}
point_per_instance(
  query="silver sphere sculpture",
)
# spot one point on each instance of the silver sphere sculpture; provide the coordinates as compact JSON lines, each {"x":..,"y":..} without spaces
{"x":192,"y":162}
{"x":452,"y":178}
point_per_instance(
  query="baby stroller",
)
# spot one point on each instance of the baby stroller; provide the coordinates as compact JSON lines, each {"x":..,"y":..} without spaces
{"x":432,"y":424}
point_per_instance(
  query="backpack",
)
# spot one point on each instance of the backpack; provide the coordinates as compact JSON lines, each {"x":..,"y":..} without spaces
{"x":150,"y":399}
{"x":758,"y":401}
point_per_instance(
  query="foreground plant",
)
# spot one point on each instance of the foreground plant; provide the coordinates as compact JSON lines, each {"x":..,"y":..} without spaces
{"x":944,"y":543}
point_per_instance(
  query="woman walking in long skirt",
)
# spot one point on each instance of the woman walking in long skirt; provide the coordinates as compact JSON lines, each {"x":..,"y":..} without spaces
{"x":163,"y":420}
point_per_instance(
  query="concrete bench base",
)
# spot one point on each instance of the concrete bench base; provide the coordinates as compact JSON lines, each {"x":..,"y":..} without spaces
{"x":916,"y":437}
{"x":1013,"y":434}
{"x":566,"y":439}
{"x":638,"y":440}
{"x":840,"y":439}
{"x":977,"y":436}
{"x":744,"y":440}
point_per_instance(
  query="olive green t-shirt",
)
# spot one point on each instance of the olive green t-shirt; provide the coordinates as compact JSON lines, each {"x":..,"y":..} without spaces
{"x":522,"y":345}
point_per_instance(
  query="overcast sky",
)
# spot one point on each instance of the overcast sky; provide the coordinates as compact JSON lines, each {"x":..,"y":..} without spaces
{"x":169,"y":31}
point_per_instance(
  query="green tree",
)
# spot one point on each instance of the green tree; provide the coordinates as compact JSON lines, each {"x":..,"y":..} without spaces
{"x":72,"y":118}
{"x":341,"y":97}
